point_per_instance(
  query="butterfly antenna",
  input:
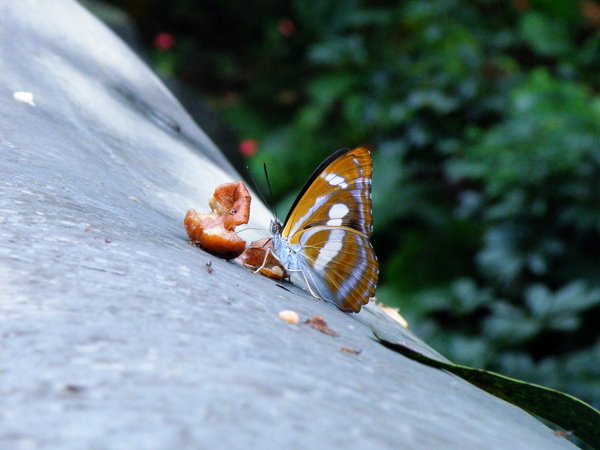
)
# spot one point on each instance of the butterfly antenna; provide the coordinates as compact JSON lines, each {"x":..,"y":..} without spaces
{"x":258,"y":190}
{"x":255,"y":184}
{"x":270,"y":190}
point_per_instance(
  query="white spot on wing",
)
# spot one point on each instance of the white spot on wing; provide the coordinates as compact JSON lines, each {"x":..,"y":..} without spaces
{"x":336,"y":213}
{"x":335,"y":180}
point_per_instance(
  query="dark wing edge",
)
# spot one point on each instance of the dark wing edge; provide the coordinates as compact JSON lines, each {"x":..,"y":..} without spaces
{"x":331,"y":158}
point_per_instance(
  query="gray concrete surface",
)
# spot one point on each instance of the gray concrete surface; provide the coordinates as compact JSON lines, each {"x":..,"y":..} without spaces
{"x":113,"y":333}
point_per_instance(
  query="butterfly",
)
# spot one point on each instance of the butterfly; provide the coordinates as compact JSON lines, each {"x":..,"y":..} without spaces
{"x":325,"y":236}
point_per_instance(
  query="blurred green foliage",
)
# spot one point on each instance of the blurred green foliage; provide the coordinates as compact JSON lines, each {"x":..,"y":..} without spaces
{"x":484,"y":121}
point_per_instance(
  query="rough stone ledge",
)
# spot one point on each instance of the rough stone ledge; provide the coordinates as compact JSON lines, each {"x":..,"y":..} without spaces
{"x":114,"y":334}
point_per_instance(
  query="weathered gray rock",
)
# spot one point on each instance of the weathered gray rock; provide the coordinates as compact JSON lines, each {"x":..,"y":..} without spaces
{"x":113,"y":333}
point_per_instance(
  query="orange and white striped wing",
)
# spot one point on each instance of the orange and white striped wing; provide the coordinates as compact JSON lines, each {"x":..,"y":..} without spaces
{"x":338,"y":193}
{"x":326,"y":234}
{"x":339,"y":265}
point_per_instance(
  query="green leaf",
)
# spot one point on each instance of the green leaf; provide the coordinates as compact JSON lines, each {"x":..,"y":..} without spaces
{"x":468,"y":295}
{"x":348,"y":50}
{"x":329,"y":88}
{"x":547,"y":36}
{"x":559,"y":308}
{"x":567,"y":322}
{"x":576,"y":296}
{"x":510,"y":325}
{"x":564,"y":410}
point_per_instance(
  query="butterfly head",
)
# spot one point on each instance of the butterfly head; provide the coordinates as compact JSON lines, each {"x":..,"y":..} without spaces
{"x":275,"y":227}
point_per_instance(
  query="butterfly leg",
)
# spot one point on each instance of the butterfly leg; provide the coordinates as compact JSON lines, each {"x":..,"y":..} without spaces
{"x":310,"y":289}
{"x":271,"y":266}
{"x":264,"y":263}
{"x":308,"y":286}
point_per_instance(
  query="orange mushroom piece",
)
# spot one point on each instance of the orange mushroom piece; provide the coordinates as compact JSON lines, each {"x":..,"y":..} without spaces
{"x":214,"y":232}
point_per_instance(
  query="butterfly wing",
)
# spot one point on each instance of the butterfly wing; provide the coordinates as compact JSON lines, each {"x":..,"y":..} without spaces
{"x":339,"y":265}
{"x":338,"y":193}
{"x":328,"y":231}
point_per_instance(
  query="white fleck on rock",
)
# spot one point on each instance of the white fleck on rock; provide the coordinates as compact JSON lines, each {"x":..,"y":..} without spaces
{"x":25,"y":97}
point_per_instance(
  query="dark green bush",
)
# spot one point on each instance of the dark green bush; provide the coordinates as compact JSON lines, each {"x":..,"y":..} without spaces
{"x":484,"y":121}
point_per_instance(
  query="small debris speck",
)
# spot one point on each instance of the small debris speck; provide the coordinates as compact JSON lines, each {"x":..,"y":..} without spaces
{"x":352,"y":351}
{"x":319,"y":324}
{"x":289,"y":316}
